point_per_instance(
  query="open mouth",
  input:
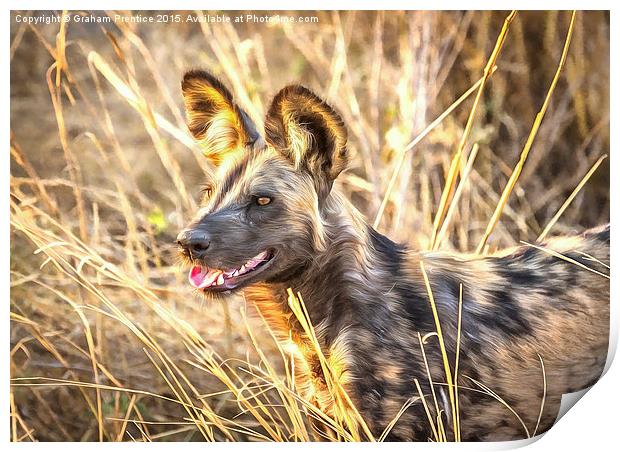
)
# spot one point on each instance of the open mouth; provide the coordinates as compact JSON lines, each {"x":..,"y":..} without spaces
{"x":214,"y":279}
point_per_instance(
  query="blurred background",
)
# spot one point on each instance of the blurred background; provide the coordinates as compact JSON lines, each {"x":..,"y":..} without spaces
{"x":107,"y":339}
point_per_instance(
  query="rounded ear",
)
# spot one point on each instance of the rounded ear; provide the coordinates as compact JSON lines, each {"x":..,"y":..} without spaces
{"x":306,"y":130}
{"x":214,"y":119}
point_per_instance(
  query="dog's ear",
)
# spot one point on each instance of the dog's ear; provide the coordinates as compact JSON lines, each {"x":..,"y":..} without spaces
{"x":308,"y":132}
{"x":219,"y":125}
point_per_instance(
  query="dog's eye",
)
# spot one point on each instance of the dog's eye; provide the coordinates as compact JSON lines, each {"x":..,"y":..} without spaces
{"x":263,"y":200}
{"x":207,"y":191}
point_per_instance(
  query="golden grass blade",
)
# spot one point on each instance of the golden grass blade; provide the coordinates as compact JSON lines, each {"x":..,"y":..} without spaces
{"x":457,"y":426}
{"x":564,"y":206}
{"x":13,"y":418}
{"x":530,"y":140}
{"x":430,"y":379}
{"x":544,"y":396}
{"x":441,"y":432}
{"x":456,"y":160}
{"x":393,"y":422}
{"x":170,"y":432}
{"x":145,"y":436}
{"x":444,"y":353}
{"x":125,"y":420}
{"x":61,"y":60}
{"x":594,"y":259}
{"x":566,"y":258}
{"x":491,"y":393}
{"x":431,"y":421}
{"x":457,"y":196}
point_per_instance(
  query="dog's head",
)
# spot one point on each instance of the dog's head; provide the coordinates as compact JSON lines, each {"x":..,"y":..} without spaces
{"x":260,"y":220}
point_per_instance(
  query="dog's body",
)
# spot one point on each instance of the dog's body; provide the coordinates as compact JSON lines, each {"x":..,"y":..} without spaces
{"x":368,"y":298}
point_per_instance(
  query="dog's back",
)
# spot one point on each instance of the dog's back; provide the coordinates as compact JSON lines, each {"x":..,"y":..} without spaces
{"x":529,"y":307}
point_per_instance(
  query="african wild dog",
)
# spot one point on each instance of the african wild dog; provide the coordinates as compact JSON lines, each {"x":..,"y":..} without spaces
{"x":273,"y":221}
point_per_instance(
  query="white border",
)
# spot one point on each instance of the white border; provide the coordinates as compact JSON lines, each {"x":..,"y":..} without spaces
{"x":592,"y":424}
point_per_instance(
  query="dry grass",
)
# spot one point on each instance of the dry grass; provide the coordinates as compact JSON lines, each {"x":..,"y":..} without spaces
{"x":109,"y":343}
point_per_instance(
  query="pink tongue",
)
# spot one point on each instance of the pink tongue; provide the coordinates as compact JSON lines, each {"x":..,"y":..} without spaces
{"x":201,"y":277}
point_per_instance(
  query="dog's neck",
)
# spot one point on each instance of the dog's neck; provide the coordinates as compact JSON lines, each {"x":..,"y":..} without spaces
{"x":350,"y":262}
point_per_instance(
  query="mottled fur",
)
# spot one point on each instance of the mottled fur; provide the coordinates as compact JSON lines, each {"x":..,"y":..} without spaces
{"x":366,"y":295}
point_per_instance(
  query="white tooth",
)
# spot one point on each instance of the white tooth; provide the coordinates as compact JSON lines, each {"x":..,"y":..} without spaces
{"x":235,"y":273}
{"x":220,"y":280}
{"x":208,"y":281}
{"x":242,"y":269}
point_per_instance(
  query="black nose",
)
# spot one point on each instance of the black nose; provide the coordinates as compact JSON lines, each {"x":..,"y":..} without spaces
{"x":194,"y":241}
